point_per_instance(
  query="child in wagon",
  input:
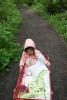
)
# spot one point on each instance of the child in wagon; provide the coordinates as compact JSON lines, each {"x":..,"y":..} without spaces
{"x":29,"y":57}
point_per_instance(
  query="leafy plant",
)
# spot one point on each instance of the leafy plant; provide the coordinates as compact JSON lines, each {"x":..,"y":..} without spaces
{"x":10,"y":19}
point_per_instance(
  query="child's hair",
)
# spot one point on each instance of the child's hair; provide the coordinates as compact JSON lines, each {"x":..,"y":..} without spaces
{"x":31,"y":48}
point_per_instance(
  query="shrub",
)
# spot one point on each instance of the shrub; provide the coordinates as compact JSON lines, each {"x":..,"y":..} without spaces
{"x":4,"y":59}
{"x":59,"y":22}
{"x":10,"y":19}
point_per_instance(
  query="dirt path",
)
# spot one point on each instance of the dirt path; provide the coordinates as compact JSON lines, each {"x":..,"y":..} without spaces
{"x":48,"y":42}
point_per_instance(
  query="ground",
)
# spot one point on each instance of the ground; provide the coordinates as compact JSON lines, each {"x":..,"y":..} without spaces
{"x":48,"y":42}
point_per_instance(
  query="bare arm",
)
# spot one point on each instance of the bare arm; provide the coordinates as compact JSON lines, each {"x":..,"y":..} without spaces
{"x":22,"y":61}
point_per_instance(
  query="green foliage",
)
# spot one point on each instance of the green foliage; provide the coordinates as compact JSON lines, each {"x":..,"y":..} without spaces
{"x":58,"y":8}
{"x":39,"y":8}
{"x":59,"y":1}
{"x":45,"y":3}
{"x":4,"y":58}
{"x":10,"y":19}
{"x":30,"y":2}
{"x":4,"y":5}
{"x":59,"y":22}
{"x":53,"y":6}
{"x":25,"y":2}
{"x":16,"y":51}
{"x":19,"y":3}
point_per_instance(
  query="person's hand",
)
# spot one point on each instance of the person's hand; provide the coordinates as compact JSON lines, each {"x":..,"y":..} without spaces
{"x":47,"y":63}
{"x":21,"y":68}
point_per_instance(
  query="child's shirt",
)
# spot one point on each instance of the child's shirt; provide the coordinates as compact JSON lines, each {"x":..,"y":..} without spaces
{"x":30,"y":60}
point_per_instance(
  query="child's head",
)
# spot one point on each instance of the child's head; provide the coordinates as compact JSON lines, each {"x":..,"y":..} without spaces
{"x":30,"y":51}
{"x":29,"y":47}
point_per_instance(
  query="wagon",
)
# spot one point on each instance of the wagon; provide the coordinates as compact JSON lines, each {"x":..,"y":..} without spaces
{"x":16,"y":95}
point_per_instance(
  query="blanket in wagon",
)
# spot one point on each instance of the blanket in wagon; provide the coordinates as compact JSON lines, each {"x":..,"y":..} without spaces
{"x":39,"y":85}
